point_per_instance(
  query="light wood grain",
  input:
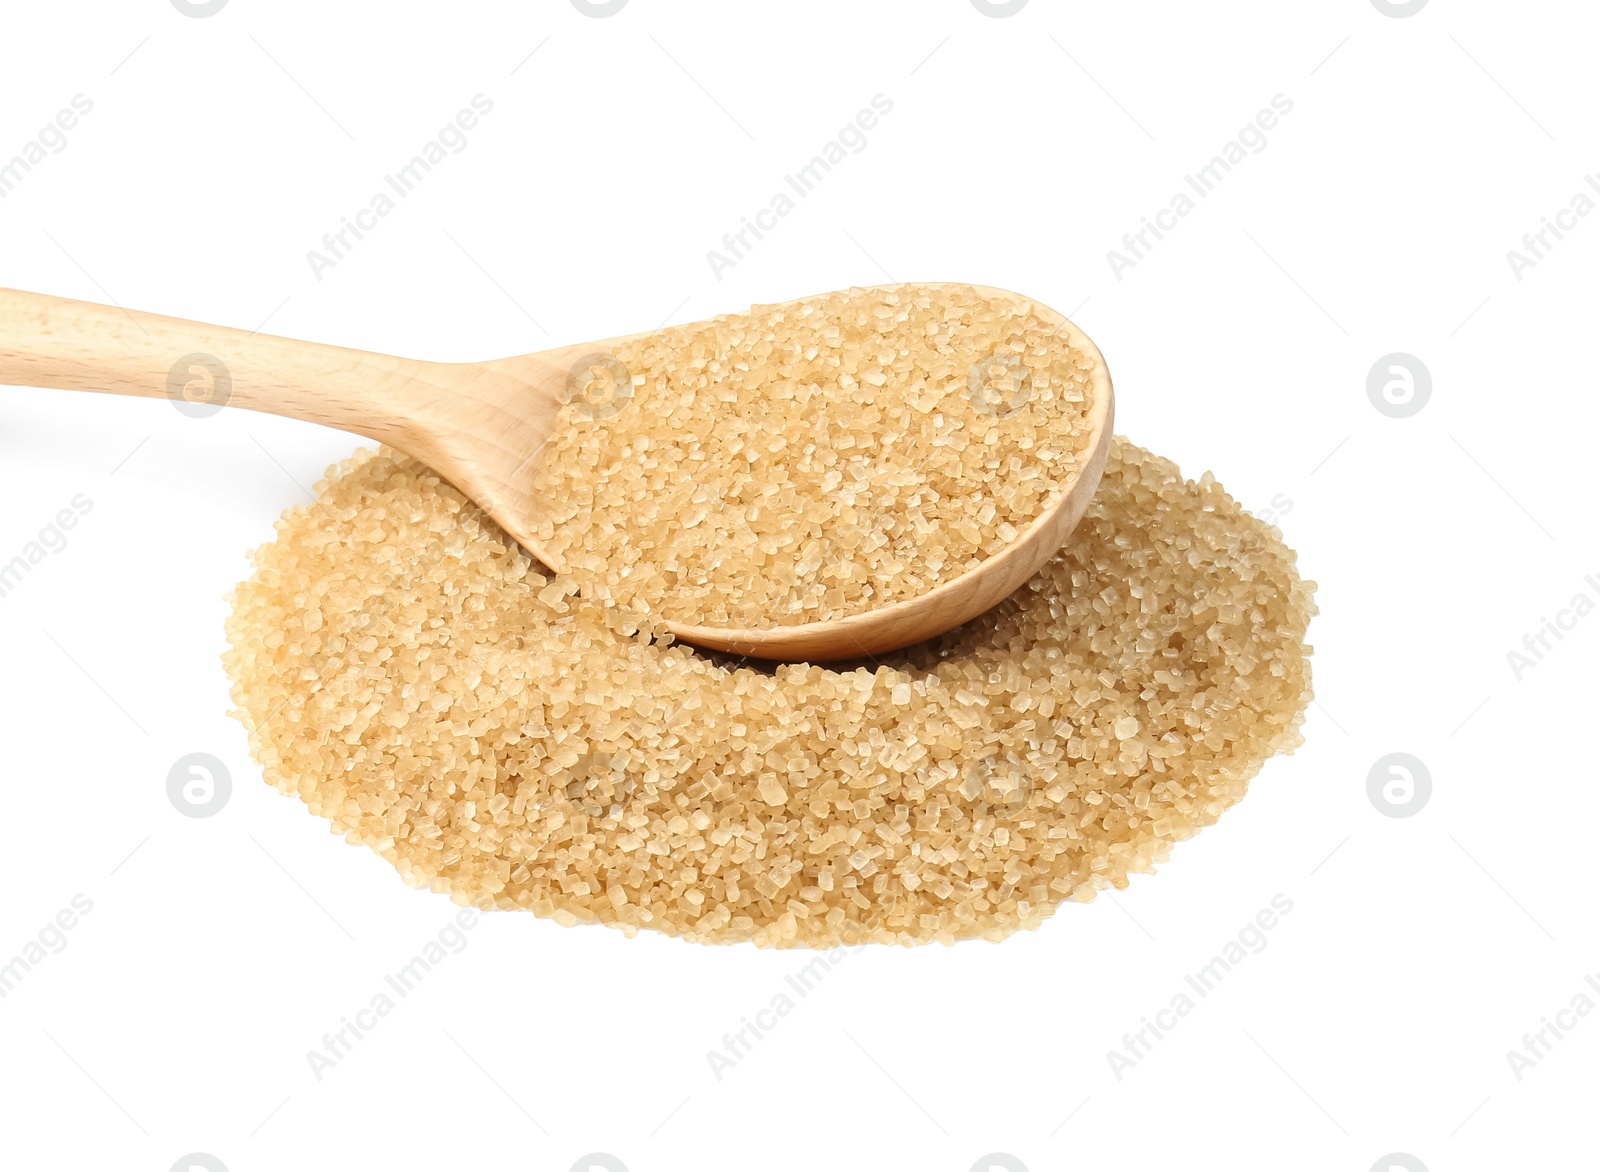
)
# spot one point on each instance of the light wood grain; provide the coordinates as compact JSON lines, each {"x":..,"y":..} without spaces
{"x":482,"y":426}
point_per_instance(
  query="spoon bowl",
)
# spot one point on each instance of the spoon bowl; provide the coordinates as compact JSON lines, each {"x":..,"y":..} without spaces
{"x":482,"y":427}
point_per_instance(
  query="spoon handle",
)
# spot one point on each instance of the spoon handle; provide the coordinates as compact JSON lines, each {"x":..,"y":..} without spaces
{"x":78,"y":345}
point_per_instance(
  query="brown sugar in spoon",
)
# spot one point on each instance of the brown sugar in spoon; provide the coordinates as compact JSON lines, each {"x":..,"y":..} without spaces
{"x":481,"y":426}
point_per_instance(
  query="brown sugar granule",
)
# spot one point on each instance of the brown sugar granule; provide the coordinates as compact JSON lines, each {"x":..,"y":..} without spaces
{"x":499,"y":735}
{"x":812,"y":460}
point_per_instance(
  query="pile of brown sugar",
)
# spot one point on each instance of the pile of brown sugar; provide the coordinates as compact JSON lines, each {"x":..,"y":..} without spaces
{"x":405,"y":670}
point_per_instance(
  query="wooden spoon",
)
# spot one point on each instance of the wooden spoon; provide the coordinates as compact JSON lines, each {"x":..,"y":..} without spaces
{"x":480,"y":425}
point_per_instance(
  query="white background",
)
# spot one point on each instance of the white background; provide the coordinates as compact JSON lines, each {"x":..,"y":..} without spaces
{"x":1377,"y":219}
